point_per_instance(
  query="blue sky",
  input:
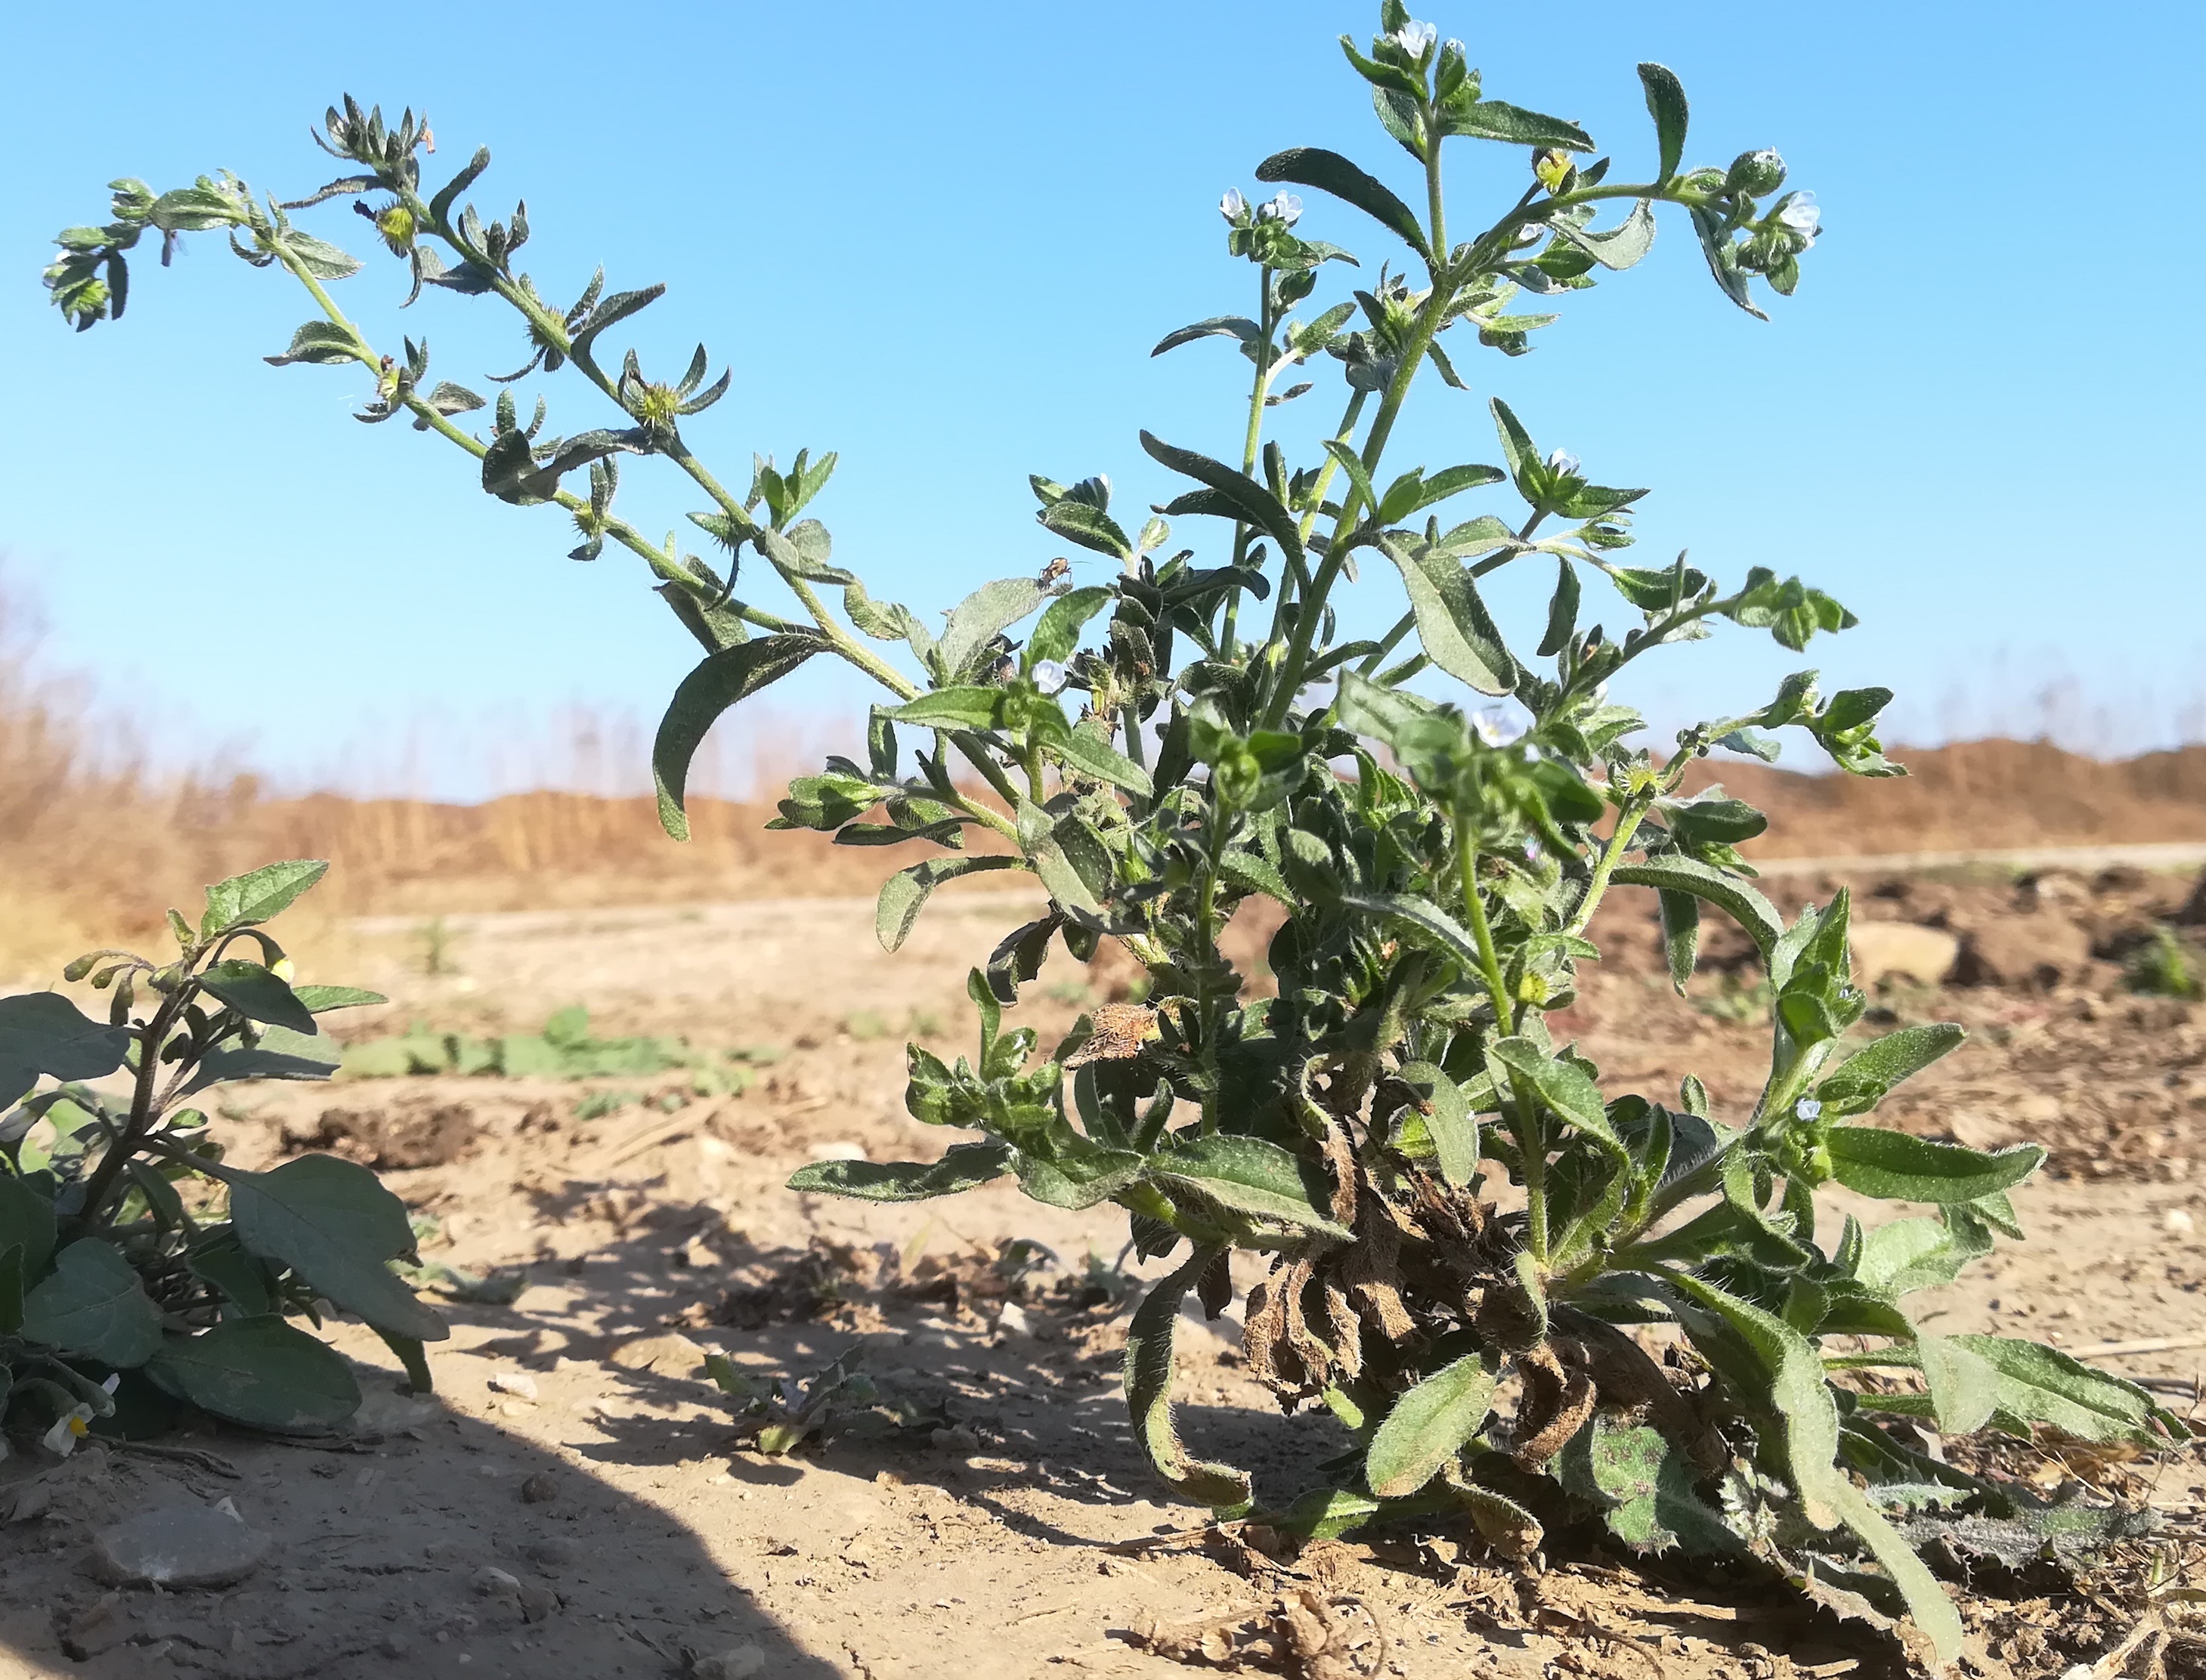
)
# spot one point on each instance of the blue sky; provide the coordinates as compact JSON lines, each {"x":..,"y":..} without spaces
{"x":942,"y":239}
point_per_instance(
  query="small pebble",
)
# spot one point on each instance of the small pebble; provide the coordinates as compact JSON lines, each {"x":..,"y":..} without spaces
{"x":2178,"y":1222}
{"x":540,"y":1489}
{"x":1013,"y":1321}
{"x":739,"y":1662}
{"x":519,"y":1383}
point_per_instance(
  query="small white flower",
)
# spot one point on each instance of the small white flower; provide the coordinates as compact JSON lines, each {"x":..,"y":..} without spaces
{"x":1803,"y":215}
{"x":1495,"y":727}
{"x":1807,"y":1109}
{"x":1285,"y":208}
{"x":1049,"y":677}
{"x":1416,"y":38}
{"x":1530,"y":234}
{"x":70,"y":1427}
{"x":1562,"y":461}
{"x":1232,"y":205}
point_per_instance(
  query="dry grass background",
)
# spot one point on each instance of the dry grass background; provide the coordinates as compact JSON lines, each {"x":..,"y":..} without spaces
{"x":92,"y":847}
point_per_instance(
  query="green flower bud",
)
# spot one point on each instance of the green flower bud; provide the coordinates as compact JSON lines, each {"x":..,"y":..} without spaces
{"x":1754,"y":173}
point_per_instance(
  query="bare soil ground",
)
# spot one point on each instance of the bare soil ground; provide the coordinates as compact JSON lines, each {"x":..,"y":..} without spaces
{"x":576,"y":1501}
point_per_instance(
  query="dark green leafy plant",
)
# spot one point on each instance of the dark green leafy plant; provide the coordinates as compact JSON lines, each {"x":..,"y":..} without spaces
{"x":137,"y":1267}
{"x":2164,"y":967}
{"x":1439,"y":869}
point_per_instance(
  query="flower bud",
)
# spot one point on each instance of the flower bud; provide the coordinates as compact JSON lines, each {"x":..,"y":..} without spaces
{"x":1552,"y":167}
{"x":1049,"y":677}
{"x":1233,"y":206}
{"x":1562,"y":461}
{"x":1807,"y":1109}
{"x":1754,"y":173}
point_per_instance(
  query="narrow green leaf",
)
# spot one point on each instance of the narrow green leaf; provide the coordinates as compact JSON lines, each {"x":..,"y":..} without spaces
{"x":321,"y":343}
{"x":2039,"y":1385}
{"x":1093,"y":757}
{"x":1965,"y":1386}
{"x":1748,"y":907}
{"x":1251,"y":501}
{"x":1799,"y":1399}
{"x":1681,"y":935}
{"x":1148,"y":1378}
{"x":1089,"y":527}
{"x":1619,"y":246}
{"x":1565,"y":1086}
{"x":1425,"y":917}
{"x":1330,"y":172}
{"x":1456,"y":632}
{"x":1218,"y":327}
{"x":320,"y":1000}
{"x":967,"y":706}
{"x":1896,"y":1166}
{"x":719,"y":681}
{"x":1056,"y":634}
{"x":1495,"y":120}
{"x":963,"y":1167}
{"x":904,"y":893}
{"x":982,"y":616}
{"x":1861,"y":1081}
{"x":1427,"y":1426}
{"x":1666,"y":103}
{"x":1448,"y":1121}
{"x":1251,"y":1175}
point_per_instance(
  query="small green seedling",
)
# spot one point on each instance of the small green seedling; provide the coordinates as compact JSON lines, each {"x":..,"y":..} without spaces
{"x":135,"y":1262}
{"x":1438,"y":811}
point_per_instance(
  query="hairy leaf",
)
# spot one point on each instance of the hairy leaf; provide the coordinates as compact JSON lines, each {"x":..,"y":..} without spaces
{"x":1251,"y":1175}
{"x":1330,"y":172}
{"x":719,"y":681}
{"x":1427,"y":1426}
{"x":1453,"y":625}
{"x":1896,"y":1166}
{"x":904,"y":893}
{"x":963,"y":1166}
{"x":1148,"y":1376}
{"x":1748,"y":907}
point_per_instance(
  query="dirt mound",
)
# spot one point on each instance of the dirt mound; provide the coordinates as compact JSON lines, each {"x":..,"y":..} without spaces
{"x":1980,"y":796}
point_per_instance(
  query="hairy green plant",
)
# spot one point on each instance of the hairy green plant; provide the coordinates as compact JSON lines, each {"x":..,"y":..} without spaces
{"x":2163,"y":967}
{"x":138,"y":1269}
{"x":1439,"y":869}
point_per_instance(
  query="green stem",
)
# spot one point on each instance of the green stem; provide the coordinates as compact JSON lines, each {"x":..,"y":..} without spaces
{"x":1481,"y":931}
{"x":664,"y":567}
{"x":1312,"y":612}
{"x":1252,"y":445}
{"x":1388,"y":643}
{"x":551,"y":330}
{"x":1627,"y":824}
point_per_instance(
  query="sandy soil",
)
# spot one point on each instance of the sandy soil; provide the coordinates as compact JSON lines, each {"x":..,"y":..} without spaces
{"x":576,"y":1501}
